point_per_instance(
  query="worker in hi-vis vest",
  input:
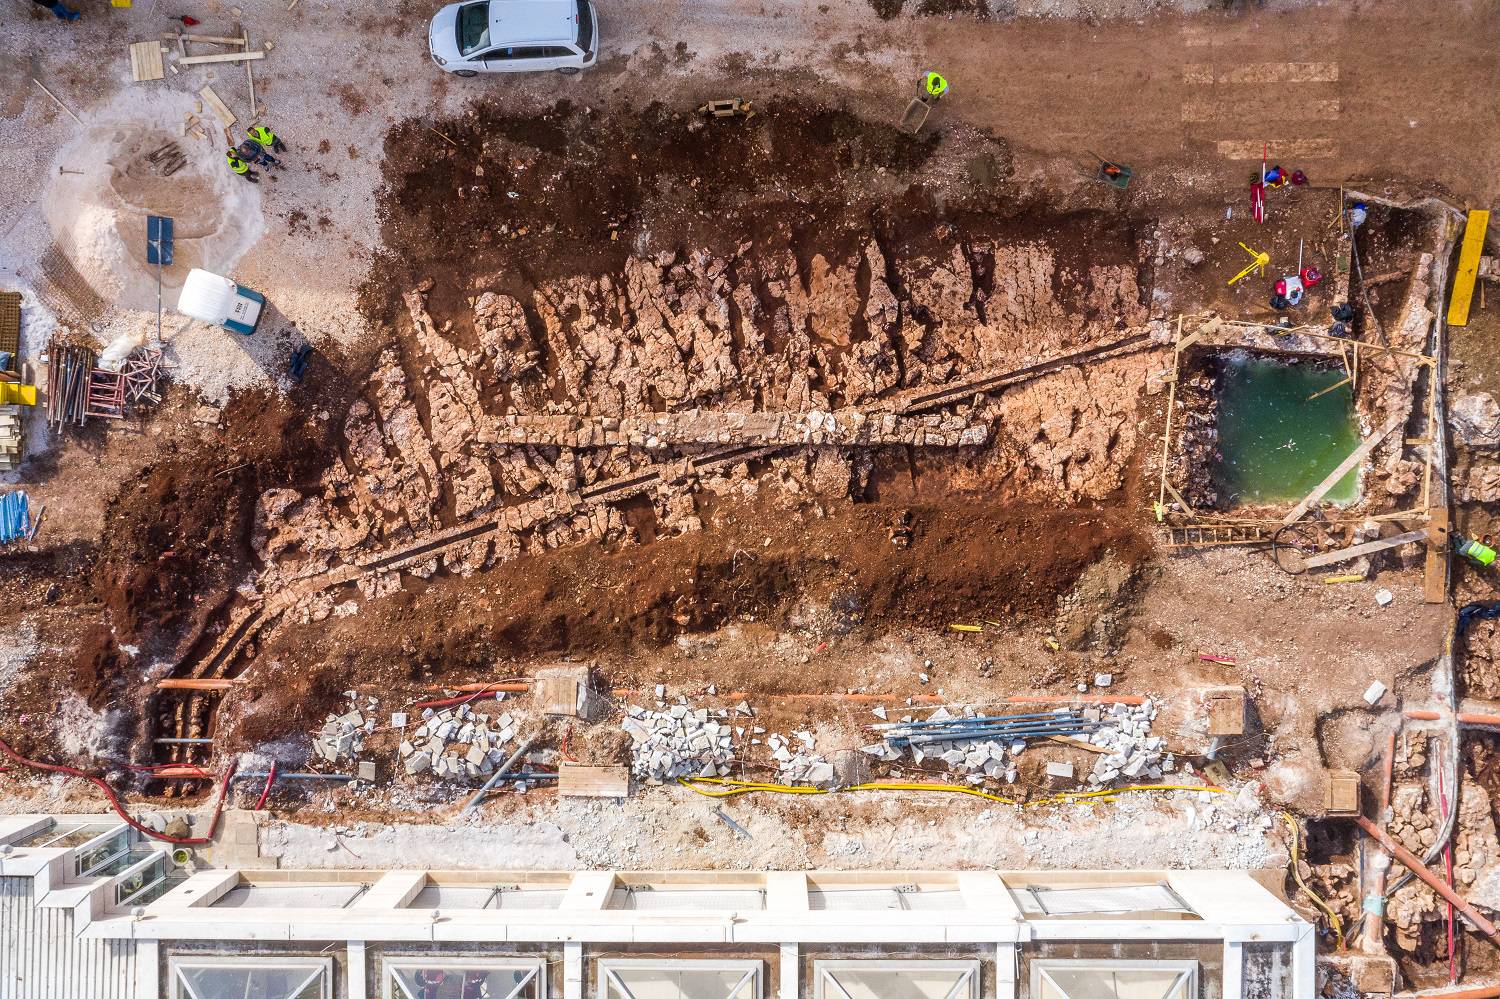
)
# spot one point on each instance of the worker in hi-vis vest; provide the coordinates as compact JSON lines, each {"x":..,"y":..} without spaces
{"x":266,"y":137}
{"x":934,"y":86}
{"x":1481,"y":555}
{"x":240,"y":167}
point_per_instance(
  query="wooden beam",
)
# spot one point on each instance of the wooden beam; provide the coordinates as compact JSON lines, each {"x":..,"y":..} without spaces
{"x":1368,"y":548}
{"x":220,"y":57}
{"x":1435,"y":571}
{"x":1166,"y":437}
{"x":1345,"y":467}
{"x":1335,"y":385}
{"x":217,"y":106}
{"x":215,"y":39}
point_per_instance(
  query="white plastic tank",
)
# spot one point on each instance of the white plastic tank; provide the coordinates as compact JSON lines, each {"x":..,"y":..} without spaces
{"x":215,"y":299}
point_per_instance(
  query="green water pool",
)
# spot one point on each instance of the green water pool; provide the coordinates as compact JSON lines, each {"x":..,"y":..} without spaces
{"x":1275,"y":443}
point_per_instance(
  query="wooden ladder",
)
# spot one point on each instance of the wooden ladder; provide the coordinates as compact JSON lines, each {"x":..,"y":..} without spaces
{"x":1205,"y":535}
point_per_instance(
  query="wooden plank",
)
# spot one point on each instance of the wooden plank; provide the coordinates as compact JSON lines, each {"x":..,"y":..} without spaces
{"x":1468,"y":268}
{"x":1188,"y":340}
{"x":1345,"y":467}
{"x":1368,"y":548}
{"x":1435,"y":571}
{"x":218,"y":107}
{"x":575,"y":780}
{"x":220,"y":57}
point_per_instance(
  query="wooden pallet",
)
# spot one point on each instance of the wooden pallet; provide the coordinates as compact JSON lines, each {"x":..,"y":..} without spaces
{"x":145,"y":62}
{"x":1208,"y":535}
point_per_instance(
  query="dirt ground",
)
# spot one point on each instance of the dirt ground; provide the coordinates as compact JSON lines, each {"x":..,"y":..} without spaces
{"x":583,"y":363}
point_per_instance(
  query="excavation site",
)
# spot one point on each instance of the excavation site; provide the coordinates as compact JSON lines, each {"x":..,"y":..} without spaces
{"x":722,"y":522}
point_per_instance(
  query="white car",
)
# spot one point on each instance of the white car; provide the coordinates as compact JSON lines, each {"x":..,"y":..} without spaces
{"x":514,"y":36}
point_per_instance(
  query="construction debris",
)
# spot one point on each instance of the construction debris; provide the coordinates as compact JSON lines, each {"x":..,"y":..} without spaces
{"x":343,"y":736}
{"x":458,"y":742}
{"x":1135,"y":754}
{"x":679,"y":742}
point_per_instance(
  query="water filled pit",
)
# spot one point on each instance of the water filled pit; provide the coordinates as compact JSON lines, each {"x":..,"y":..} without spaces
{"x":1283,"y":428}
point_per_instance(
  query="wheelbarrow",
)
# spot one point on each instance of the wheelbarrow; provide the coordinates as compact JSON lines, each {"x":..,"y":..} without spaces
{"x":915,"y":116}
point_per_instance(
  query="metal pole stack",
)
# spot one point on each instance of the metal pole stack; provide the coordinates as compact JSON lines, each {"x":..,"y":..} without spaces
{"x":70,"y":372}
{"x":998,"y":728}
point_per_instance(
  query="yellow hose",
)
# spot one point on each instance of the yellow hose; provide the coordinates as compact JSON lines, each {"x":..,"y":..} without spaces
{"x":1333,"y":917}
{"x":738,"y":787}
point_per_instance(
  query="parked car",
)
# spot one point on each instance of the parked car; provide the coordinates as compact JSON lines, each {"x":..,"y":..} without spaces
{"x":514,"y":36}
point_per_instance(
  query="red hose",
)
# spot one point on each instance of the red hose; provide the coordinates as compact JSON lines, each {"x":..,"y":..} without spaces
{"x":447,"y":702}
{"x":270,"y":779}
{"x":114,"y":801}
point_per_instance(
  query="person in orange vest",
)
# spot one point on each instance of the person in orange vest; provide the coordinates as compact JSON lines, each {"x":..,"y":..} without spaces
{"x":240,"y":167}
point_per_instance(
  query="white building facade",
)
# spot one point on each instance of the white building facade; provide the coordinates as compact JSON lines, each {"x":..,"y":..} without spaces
{"x":88,"y":908}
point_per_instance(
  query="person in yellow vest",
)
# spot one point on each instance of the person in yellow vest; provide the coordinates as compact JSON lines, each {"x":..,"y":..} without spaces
{"x":267,"y":138}
{"x":934,"y":86}
{"x":1481,"y":554}
{"x":240,"y":167}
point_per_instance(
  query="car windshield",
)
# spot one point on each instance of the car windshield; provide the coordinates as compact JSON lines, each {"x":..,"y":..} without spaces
{"x":473,"y":27}
{"x":585,"y":26}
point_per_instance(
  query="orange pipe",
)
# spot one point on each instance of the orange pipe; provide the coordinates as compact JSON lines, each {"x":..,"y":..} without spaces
{"x":520,"y":687}
{"x":1464,"y":717}
{"x":191,"y":683}
{"x":1089,"y":698}
{"x":1414,"y":864}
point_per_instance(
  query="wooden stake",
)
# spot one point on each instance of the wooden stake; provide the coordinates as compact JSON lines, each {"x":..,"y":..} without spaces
{"x":440,"y":135}
{"x":1338,"y":384}
{"x":250,"y":76}
{"x":56,"y":100}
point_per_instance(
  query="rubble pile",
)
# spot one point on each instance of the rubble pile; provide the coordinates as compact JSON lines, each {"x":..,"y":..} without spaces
{"x":1134,"y":753}
{"x":803,"y":765}
{"x":458,"y":743}
{"x":680,"y":741}
{"x":342,"y":736}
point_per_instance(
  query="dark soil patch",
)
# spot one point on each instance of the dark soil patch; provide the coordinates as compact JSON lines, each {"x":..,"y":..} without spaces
{"x":969,"y":558}
{"x":575,"y":190}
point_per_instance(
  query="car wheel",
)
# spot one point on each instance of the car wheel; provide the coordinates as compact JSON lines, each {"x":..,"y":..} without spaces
{"x":569,"y":70}
{"x":465,"y":72}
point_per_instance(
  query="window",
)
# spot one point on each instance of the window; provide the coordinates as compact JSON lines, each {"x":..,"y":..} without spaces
{"x":252,"y":978}
{"x":521,"y":52}
{"x":1120,"y":898}
{"x":449,"y":978}
{"x":95,"y":857}
{"x":648,"y":979}
{"x":1114,"y":980}
{"x":473,"y":28}
{"x":898,"y":980}
{"x":585,"y":26}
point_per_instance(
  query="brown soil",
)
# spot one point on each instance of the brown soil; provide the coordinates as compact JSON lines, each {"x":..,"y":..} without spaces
{"x":828,"y":576}
{"x":576,"y":189}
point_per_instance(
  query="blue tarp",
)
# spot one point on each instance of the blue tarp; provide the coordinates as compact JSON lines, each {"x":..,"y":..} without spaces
{"x":15,"y":518}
